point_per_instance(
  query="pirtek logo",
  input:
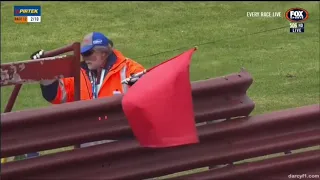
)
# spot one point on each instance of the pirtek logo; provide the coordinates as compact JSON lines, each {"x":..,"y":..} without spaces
{"x":297,"y":14}
{"x":27,"y":11}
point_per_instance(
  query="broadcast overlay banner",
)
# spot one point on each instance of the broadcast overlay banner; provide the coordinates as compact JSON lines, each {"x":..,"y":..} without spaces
{"x":27,"y":14}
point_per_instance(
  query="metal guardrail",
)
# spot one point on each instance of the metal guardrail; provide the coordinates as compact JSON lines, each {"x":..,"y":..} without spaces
{"x":221,"y":143}
{"x":77,"y":122}
{"x":50,"y":67}
{"x":278,"y":168}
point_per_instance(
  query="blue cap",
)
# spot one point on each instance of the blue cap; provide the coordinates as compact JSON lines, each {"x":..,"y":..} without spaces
{"x":94,"y":39}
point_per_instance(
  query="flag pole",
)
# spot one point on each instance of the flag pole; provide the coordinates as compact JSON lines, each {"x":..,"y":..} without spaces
{"x":195,"y":48}
{"x":136,"y":76}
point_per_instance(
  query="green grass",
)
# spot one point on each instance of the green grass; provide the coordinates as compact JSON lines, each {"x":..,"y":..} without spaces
{"x":142,"y":28}
{"x":285,"y":66}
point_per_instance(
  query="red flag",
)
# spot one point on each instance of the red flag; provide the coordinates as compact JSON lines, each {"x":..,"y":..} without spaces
{"x":159,"y":106}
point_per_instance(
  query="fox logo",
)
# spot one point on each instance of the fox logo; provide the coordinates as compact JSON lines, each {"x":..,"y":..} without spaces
{"x":297,"y":15}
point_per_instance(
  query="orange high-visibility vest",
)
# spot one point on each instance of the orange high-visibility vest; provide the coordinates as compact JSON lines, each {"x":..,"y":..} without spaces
{"x":121,"y":70}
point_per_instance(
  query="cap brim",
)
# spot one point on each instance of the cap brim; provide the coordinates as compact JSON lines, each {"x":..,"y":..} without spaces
{"x":86,"y":48}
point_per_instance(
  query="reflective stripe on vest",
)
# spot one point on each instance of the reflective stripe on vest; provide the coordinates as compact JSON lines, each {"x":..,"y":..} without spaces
{"x":123,"y":77}
{"x":63,"y":91}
